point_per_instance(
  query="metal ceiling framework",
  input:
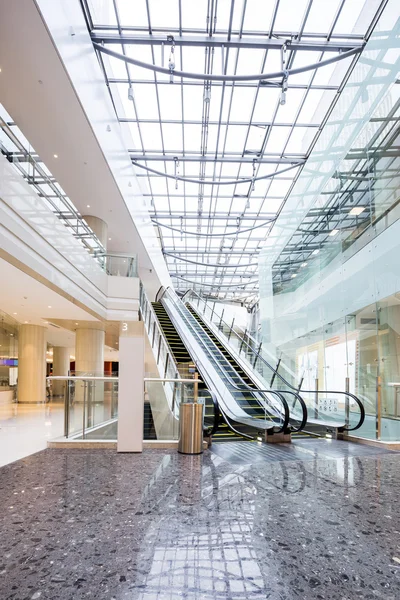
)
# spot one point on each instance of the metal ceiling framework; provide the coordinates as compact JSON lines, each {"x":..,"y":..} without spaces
{"x":223,"y":127}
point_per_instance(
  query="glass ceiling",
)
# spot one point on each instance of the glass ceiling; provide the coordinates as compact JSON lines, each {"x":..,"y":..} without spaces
{"x":217,"y":131}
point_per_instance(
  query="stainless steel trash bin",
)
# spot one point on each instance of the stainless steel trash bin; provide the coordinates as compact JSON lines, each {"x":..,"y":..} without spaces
{"x":191,"y":428}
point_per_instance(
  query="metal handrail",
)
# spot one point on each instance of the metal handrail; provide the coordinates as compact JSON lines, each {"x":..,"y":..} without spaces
{"x":90,"y":378}
{"x":347,"y":394}
{"x":297,"y":396}
{"x":254,"y":391}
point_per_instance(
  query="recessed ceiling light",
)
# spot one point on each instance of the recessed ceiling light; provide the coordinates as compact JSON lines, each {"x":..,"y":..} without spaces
{"x":357,"y":210}
{"x":294,"y":275}
{"x":87,"y":205}
{"x":15,"y":313}
{"x":304,"y":264}
{"x":55,"y":155}
{"x":76,"y":323}
{"x":49,"y":306}
{"x":315,"y":251}
{"x":26,"y":322}
{"x":334,"y":232}
{"x":109,"y":239}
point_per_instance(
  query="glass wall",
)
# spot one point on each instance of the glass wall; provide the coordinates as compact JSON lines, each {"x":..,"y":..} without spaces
{"x":8,"y":352}
{"x":330,"y":273}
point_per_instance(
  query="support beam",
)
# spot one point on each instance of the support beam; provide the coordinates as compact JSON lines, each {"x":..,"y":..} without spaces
{"x":266,"y":159}
{"x":216,"y":41}
{"x":217,"y":217}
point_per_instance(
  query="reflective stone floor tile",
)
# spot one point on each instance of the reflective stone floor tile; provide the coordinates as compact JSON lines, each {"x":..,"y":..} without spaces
{"x":79,"y":524}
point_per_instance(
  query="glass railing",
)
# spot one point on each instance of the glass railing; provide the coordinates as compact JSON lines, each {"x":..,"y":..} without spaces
{"x":91,"y":407}
{"x":337,"y":408}
{"x":28,"y":164}
{"x":120,"y":265}
{"x":18,"y":151}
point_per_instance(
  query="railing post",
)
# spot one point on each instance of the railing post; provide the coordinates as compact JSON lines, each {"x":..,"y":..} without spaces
{"x":316,"y":399}
{"x":159,"y":349}
{"x":258,"y":352}
{"x":347,"y":402}
{"x":154,"y":334}
{"x":66,"y":409}
{"x":222,"y":316}
{"x":230,"y":331}
{"x":275,"y":372}
{"x":378,"y":423}
{"x":241,"y":345}
{"x":84,"y":408}
{"x":166,"y":367}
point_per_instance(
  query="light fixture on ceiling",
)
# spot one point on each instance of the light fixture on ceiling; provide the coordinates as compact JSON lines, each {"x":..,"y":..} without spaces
{"x":49,"y":306}
{"x":294,"y":275}
{"x":15,"y":313}
{"x":26,"y":322}
{"x":76,"y":323}
{"x":109,"y":239}
{"x":334,"y":232}
{"x":357,"y":210}
{"x":55,"y":155}
{"x":130,"y":93}
{"x":316,"y":251}
{"x":87,"y":205}
{"x":304,"y":264}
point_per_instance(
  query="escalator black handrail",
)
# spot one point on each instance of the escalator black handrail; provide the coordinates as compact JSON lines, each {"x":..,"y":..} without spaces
{"x":215,"y":425}
{"x":280,"y":392}
{"x":285,"y":405}
{"x":349,"y":394}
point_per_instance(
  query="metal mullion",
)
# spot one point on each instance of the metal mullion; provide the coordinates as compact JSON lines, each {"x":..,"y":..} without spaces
{"x":290,"y":62}
{"x":209,"y":226}
{"x":256,"y":95}
{"x":228,"y":120}
{"x":209,"y":63}
{"x":329,"y":111}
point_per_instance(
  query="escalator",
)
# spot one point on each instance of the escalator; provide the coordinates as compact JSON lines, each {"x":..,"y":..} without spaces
{"x":185,"y":367}
{"x":247,"y":410}
{"x":246,"y":353}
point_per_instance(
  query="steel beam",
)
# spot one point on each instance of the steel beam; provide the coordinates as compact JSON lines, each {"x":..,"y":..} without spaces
{"x":202,"y":41}
{"x":267,"y":158}
{"x":251,"y":84}
{"x":217,"y":123}
{"x":246,"y":217}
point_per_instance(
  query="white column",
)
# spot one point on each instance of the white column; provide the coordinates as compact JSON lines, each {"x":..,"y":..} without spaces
{"x":89,"y":351}
{"x":99,"y":227}
{"x":131,"y":387}
{"x":60,"y":368}
{"x":31,"y":364}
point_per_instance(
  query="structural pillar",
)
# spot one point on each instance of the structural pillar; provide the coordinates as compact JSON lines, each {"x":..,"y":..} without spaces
{"x":131,"y":387}
{"x":32,"y":364}
{"x":99,"y":227}
{"x":60,"y":368}
{"x":89,"y":360}
{"x":89,"y":352}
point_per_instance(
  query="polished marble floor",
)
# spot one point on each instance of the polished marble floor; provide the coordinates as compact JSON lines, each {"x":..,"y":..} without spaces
{"x":79,"y":524}
{"x":26,"y":428}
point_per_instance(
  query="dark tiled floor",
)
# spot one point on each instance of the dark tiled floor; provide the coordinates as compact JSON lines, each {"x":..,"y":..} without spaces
{"x":160,"y":526}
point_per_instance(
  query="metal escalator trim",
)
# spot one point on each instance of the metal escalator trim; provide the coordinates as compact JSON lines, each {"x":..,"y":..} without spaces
{"x":295,"y":391}
{"x":271,"y":408}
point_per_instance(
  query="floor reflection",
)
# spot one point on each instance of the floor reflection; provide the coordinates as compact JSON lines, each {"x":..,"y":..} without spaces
{"x":162,"y":526}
